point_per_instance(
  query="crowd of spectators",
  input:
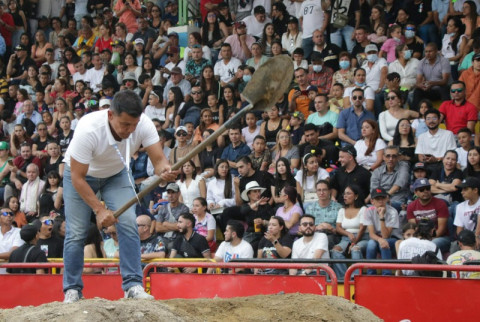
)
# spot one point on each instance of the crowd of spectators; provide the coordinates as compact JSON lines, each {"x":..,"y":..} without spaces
{"x":375,"y":140}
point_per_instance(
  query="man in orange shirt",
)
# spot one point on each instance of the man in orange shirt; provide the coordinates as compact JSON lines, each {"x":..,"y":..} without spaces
{"x":298,"y":97}
{"x":471,"y":78}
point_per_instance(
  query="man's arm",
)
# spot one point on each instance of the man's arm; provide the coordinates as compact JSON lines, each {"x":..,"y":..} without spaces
{"x":153,"y":255}
{"x":159,"y":161}
{"x":344,"y":137}
{"x":165,"y":227}
{"x":6,"y":255}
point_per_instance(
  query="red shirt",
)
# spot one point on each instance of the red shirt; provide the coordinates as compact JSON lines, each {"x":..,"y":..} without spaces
{"x":435,"y":209}
{"x":8,"y":19}
{"x":19,"y":162}
{"x":456,"y":117}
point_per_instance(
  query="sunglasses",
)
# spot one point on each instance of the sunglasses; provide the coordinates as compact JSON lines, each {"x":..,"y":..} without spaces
{"x":423,"y":189}
{"x":391,"y":98}
{"x":48,"y":222}
{"x":391,"y":156}
{"x":457,"y":90}
{"x":196,"y":93}
{"x":357,"y":98}
{"x":182,"y":133}
{"x":7,"y":213}
{"x":305,"y":224}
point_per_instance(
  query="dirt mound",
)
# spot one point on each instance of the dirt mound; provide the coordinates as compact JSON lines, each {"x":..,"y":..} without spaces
{"x":286,"y":307}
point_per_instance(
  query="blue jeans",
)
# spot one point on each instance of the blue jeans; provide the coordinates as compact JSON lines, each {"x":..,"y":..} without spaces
{"x":443,"y":243}
{"x":429,"y":33}
{"x":343,"y":34}
{"x":115,"y":190}
{"x":307,"y":45}
{"x":357,"y":253}
{"x":373,"y":248}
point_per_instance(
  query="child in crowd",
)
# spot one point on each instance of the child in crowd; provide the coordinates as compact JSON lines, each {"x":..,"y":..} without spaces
{"x":312,"y":92}
{"x":261,"y":155}
{"x":395,"y":38}
{"x":418,"y":125}
{"x":464,"y":137}
{"x":295,"y":127}
{"x":40,"y":104}
{"x":298,"y":60}
{"x":336,"y":98}
{"x":379,"y":36}
{"x":22,"y":96}
{"x":78,"y":113}
{"x":155,"y":109}
{"x":65,"y":137}
{"x":217,"y":112}
{"x":251,"y":130}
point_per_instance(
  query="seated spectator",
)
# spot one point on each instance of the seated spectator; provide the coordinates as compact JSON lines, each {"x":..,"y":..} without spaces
{"x":93,"y":249}
{"x":433,"y":145}
{"x":350,"y":225}
{"x":297,"y":97}
{"x":394,"y":39}
{"x":111,"y":246}
{"x":31,"y":190}
{"x":65,"y":136}
{"x":19,"y":217}
{"x":404,"y":139}
{"x":376,"y":68}
{"x":188,"y":243}
{"x":17,"y":138}
{"x":323,"y":115}
{"x":467,"y":212}
{"x":388,"y":119}
{"x":370,"y":148}
{"x":349,"y":173}
{"x":205,"y":223}
{"x":151,"y":245}
{"x":50,"y":244}
{"x":235,"y":150}
{"x":177,"y":80}
{"x":182,"y":148}
{"x":168,"y":214}
{"x":234,"y":246}
{"x":473,"y":162}
{"x":328,"y":52}
{"x":351,"y":118}
{"x":344,"y":75}
{"x":464,"y":137}
{"x":319,"y":74}
{"x":292,"y":38}
{"x":220,"y":189}
{"x":190,"y":112}
{"x":467,"y":252}
{"x":433,"y":76}
{"x":419,"y":125}
{"x":276,"y":243}
{"x":209,"y":156}
{"x":226,"y":68}
{"x":382,"y":223}
{"x":312,"y":245}
{"x":29,"y":252}
{"x":420,"y":243}
{"x":282,"y":178}
{"x":454,"y":44}
{"x":272,"y":126}
{"x":192,"y":185}
{"x":29,"y":113}
{"x":11,"y":238}
{"x":405,"y":66}
{"x":309,"y":176}
{"x":256,"y":22}
{"x":291,"y":210}
{"x":469,"y":77}
{"x":54,"y":160}
{"x":206,"y":122}
{"x":296,"y":127}
{"x":285,"y":149}
{"x":260,"y":156}
{"x":257,"y":59}
{"x":39,"y":148}
{"x":458,"y":113}
{"x":444,"y":180}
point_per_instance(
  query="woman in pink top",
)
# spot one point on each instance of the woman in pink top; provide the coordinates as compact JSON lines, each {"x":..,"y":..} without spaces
{"x":395,"y":38}
{"x":290,"y":211}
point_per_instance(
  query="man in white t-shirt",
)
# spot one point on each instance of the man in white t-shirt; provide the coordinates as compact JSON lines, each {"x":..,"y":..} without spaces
{"x":95,"y":162}
{"x":96,"y":73}
{"x":233,"y":246}
{"x":80,"y":70}
{"x":313,"y":245}
{"x":256,"y":22}
{"x":9,"y":235}
{"x":226,"y":68}
{"x":467,"y":212}
{"x":312,"y":16}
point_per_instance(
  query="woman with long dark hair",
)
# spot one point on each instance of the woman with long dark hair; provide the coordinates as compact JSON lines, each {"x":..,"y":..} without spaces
{"x":209,"y":155}
{"x":473,"y":163}
{"x":205,"y":224}
{"x":209,"y":84}
{"x":191,"y":185}
{"x":291,"y":210}
{"x":93,"y":248}
{"x":405,"y":140}
{"x":268,"y":36}
{"x":454,"y":44}
{"x":220,"y":190}
{"x":370,"y":147}
{"x":214,"y":32}
{"x":282,"y":178}
{"x":174,"y":103}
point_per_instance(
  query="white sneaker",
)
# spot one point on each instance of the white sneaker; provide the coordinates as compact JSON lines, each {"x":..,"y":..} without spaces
{"x":137,"y":292}
{"x":71,"y":296}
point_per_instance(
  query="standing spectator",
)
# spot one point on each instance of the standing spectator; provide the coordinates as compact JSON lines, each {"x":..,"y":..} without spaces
{"x":458,"y":113}
{"x":382,"y":222}
{"x":128,"y":11}
{"x":343,"y":22}
{"x":312,"y":15}
{"x":7,"y":27}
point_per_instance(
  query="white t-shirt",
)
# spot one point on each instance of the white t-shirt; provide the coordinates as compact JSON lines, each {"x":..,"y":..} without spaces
{"x":373,"y":73}
{"x":368,"y":160}
{"x":250,"y":136}
{"x":93,"y":143}
{"x":437,"y":144}
{"x":227,"y":252}
{"x":8,"y":240}
{"x":227,"y":72}
{"x":462,"y":157}
{"x":77,"y":76}
{"x":464,"y":213}
{"x":95,"y":78}
{"x":414,"y":246}
{"x":155,"y":113}
{"x":310,"y":180}
{"x":254,"y":27}
{"x":312,"y":13}
{"x":304,"y":250}
{"x":352,"y":225}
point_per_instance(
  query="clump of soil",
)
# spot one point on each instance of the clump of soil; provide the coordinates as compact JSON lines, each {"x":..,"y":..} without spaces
{"x":282,"y":307}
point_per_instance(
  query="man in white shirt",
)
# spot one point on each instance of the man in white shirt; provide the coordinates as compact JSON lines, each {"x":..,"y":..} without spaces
{"x":313,"y":245}
{"x":96,"y":73}
{"x":95,"y":162}
{"x":226,"y":68}
{"x":256,"y":22}
{"x":9,"y":235}
{"x":50,"y":57}
{"x":233,"y":246}
{"x":467,"y":212}
{"x":81,"y":71}
{"x":376,"y":68}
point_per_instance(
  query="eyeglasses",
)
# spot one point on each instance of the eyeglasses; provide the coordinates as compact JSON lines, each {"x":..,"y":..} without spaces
{"x":357,"y":98}
{"x":305,"y":224}
{"x":423,"y":189}
{"x":431,"y":118}
{"x":182,"y":133}
{"x":456,"y":90}
{"x":391,"y":156}
{"x":211,"y":15}
{"x":196,"y":93}
{"x":41,"y":129}
{"x":48,"y":222}
{"x":391,"y":98}
{"x":7,"y":213}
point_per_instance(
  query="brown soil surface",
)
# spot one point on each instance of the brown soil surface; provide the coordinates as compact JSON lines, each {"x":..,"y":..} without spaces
{"x":283,"y":307}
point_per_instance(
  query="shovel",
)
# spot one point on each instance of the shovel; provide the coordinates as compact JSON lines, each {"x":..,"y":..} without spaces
{"x":267,"y":86}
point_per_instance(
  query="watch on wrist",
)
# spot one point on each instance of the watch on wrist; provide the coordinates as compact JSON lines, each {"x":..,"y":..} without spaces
{"x":275,"y":242}
{"x":382,"y":219}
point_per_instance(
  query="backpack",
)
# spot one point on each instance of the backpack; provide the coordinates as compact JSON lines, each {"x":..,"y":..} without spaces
{"x":428,"y":257}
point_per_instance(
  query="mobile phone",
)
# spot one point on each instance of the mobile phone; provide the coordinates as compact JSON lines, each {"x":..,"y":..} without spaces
{"x":428,"y":155}
{"x":10,"y":163}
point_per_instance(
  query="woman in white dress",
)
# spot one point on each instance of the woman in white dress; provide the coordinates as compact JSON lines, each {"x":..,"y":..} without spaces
{"x":370,"y":147}
{"x":220,"y":190}
{"x":191,"y":185}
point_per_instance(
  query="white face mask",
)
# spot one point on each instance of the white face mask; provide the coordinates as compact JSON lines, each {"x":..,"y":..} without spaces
{"x":317,"y":68}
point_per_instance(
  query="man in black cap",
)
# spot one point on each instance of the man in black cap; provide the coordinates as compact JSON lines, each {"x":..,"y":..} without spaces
{"x":349,"y":173}
{"x":467,"y":252}
{"x":28,"y":252}
{"x":18,"y":64}
{"x":467,"y":212}
{"x":280,"y":18}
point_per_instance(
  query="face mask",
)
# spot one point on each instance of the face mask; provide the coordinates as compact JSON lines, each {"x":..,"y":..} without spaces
{"x":344,"y":64}
{"x":451,"y":34}
{"x":396,"y":39}
{"x":317,"y":68}
{"x":359,"y":84}
{"x":409,"y":34}
{"x":408,"y":54}
{"x":372,"y":58}
{"x":247,"y":78}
